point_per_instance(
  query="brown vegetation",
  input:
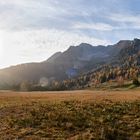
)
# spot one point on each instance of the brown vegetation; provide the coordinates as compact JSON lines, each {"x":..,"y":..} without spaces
{"x":70,"y":115}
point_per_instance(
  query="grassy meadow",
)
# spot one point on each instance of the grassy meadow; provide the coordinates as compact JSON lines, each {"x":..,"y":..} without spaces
{"x":71,"y":115}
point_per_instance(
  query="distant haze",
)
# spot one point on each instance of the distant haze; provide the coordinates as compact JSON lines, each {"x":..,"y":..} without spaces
{"x":31,"y":31}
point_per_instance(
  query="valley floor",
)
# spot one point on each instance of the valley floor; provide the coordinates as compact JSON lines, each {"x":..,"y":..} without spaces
{"x":70,"y":115}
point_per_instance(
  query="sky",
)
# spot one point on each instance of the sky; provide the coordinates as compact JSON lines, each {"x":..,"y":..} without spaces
{"x":33,"y":30}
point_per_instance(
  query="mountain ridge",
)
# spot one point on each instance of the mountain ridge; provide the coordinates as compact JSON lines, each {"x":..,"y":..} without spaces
{"x":73,"y":62}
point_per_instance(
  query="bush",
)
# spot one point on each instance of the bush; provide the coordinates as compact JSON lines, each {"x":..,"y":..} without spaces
{"x":136,"y":82}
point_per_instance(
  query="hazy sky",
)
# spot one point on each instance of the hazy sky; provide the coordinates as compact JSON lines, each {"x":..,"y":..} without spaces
{"x":32,"y":30}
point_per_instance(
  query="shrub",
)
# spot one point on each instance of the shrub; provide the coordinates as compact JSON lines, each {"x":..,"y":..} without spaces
{"x":136,"y":82}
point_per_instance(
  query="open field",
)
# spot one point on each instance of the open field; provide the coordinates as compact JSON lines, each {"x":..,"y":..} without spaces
{"x":106,"y":115}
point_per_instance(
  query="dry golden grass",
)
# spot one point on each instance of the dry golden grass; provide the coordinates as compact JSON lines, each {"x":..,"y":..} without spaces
{"x":80,"y":95}
{"x":70,"y":115}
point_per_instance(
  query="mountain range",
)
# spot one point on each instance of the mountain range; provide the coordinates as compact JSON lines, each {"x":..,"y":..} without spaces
{"x":76,"y":60}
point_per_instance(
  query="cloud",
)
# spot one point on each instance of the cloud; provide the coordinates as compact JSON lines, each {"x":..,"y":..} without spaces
{"x":126,"y":21}
{"x":38,"y":45}
{"x":12,"y":2}
{"x":65,"y":15}
{"x":127,"y":18}
{"x":93,"y":26}
{"x":53,"y":14}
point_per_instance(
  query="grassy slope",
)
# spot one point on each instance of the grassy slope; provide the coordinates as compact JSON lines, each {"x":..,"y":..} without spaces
{"x":115,"y":86}
{"x":70,"y":115}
